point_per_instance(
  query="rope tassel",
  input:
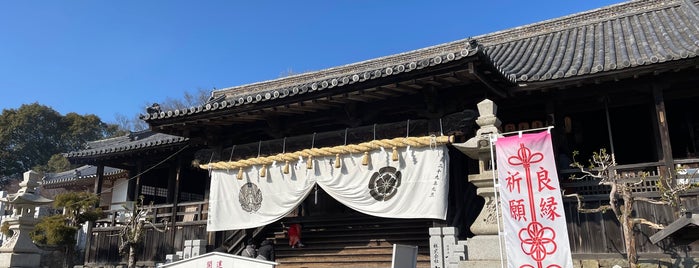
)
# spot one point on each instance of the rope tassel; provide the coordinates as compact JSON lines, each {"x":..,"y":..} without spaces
{"x":365,"y":160}
{"x":263,"y":171}
{"x":309,"y":164}
{"x":286,"y":167}
{"x":394,"y":154}
{"x":240,"y":173}
{"x":337,"y":161}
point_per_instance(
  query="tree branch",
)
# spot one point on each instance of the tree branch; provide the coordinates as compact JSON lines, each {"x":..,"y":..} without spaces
{"x":581,"y":209}
{"x":651,"y":201}
{"x":648,"y":223}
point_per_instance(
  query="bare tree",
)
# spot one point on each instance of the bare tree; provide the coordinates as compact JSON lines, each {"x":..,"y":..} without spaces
{"x":130,"y":124}
{"x":189,"y":99}
{"x":196,"y":98}
{"x":131,"y":233}
{"x":602,"y":169}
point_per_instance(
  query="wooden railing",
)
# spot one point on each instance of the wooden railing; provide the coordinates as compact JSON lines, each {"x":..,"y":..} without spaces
{"x":643,"y":177}
{"x":184,"y":213}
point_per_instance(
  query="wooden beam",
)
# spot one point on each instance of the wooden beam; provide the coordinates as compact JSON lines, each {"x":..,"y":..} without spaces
{"x":356,"y":97}
{"x":386,"y":91}
{"x":430,"y":81}
{"x":472,"y":71}
{"x":401,"y":88}
{"x":371,"y":95}
{"x":285,"y":110}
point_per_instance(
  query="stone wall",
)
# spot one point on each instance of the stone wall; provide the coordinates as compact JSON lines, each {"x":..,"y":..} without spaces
{"x":53,"y":257}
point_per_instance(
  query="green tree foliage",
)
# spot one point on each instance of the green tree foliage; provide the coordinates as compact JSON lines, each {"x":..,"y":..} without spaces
{"x":28,"y":137}
{"x":5,"y":229}
{"x":33,"y":133}
{"x":79,"y":207}
{"x":57,"y":163}
{"x":60,"y":230}
{"x":82,"y":128}
{"x":54,"y":230}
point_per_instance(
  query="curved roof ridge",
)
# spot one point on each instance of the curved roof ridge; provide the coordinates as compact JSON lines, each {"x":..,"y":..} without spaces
{"x":82,"y":173}
{"x":575,"y":20}
{"x":131,"y":142}
{"x":347,"y":69}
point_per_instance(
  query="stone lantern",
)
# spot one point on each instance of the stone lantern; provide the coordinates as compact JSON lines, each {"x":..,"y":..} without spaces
{"x":485,"y":249}
{"x":19,"y":250}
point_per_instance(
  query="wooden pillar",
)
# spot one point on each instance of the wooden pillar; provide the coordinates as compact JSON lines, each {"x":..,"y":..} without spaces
{"x":175,"y":197}
{"x":171,"y":183}
{"x":664,"y":133}
{"x":99,"y":181}
{"x":134,"y":185}
{"x":98,"y":191}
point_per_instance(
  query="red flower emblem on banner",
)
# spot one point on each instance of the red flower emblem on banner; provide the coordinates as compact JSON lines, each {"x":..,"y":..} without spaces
{"x":537,"y":241}
{"x":532,"y":266}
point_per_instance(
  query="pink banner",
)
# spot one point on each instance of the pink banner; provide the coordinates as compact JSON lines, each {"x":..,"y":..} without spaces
{"x":532,"y":208}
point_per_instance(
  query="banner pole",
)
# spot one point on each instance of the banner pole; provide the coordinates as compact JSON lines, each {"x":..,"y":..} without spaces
{"x":527,"y":130}
{"x":496,"y":188}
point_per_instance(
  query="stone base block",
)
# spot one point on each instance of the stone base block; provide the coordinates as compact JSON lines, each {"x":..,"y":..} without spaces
{"x":480,"y":264}
{"x":484,"y":248}
{"x":8,"y":260}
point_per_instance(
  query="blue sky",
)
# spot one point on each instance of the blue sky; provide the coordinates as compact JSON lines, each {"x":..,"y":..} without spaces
{"x":116,"y":57}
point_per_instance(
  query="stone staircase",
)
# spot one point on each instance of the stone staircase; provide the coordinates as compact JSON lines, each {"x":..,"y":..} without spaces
{"x":351,"y":241}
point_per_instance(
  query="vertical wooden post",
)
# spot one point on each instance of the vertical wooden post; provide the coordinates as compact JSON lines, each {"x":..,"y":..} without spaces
{"x":131,"y":188}
{"x":99,"y":181}
{"x":664,"y":133}
{"x":171,"y":181}
{"x":137,"y":186}
{"x":98,"y":191}
{"x":175,"y":199}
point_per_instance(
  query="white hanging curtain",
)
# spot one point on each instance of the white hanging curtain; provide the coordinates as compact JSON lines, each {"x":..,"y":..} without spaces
{"x":255,"y":201}
{"x":415,"y":186}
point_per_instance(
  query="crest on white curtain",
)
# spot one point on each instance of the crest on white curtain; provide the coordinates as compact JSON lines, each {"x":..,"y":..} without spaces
{"x":374,"y":183}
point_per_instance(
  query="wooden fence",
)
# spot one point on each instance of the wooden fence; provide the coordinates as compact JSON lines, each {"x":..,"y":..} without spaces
{"x":592,"y":234}
{"x":189,"y":224}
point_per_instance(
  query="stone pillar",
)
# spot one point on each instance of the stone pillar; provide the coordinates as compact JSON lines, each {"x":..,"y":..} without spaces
{"x":19,"y":250}
{"x":485,"y":248}
{"x":436,"y":249}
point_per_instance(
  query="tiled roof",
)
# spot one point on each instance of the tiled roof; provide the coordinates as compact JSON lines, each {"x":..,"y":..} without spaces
{"x":617,"y":37}
{"x":82,"y":174}
{"x":329,"y":79}
{"x":131,"y":142}
{"x":612,"y":38}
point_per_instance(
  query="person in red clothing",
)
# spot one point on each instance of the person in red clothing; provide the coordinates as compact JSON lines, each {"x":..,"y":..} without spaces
{"x":294,"y":234}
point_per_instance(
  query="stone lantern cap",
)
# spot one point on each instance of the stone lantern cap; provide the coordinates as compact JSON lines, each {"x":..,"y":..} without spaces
{"x":27,"y":194}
